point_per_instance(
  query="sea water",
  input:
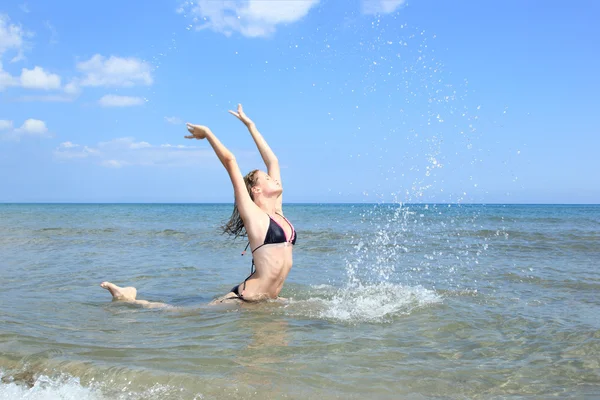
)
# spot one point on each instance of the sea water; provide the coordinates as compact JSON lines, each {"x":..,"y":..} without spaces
{"x":384,"y":301}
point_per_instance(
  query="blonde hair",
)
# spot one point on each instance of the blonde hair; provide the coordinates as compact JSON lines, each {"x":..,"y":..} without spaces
{"x":235,"y":225}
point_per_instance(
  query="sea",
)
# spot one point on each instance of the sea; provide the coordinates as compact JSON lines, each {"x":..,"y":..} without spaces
{"x":384,"y":301}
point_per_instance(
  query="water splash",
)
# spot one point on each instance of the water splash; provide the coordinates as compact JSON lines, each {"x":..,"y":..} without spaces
{"x":434,"y":246}
{"x":377,"y":302}
{"x":371,"y":303}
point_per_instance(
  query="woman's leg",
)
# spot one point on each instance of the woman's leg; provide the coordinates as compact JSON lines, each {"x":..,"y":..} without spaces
{"x":128,"y":295}
{"x":119,"y":293}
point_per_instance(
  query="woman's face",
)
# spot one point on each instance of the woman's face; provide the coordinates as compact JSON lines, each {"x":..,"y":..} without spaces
{"x":268,"y":186}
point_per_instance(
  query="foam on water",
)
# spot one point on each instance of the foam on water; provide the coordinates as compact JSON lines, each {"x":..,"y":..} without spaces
{"x":375,"y":303}
{"x":64,"y":387}
{"x":67,"y":387}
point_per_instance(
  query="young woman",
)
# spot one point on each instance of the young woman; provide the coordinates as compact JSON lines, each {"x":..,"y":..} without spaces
{"x":257,"y":213}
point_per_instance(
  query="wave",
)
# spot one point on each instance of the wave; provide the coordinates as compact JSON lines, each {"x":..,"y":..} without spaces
{"x":26,"y":385}
{"x":31,"y":385}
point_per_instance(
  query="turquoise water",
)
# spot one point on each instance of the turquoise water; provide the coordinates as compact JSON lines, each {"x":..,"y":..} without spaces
{"x":386,"y":301}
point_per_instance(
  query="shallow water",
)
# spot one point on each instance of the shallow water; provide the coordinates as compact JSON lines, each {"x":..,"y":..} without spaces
{"x":413,"y":302}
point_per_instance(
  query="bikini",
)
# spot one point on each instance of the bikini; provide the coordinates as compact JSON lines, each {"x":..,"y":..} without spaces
{"x":275,"y":234}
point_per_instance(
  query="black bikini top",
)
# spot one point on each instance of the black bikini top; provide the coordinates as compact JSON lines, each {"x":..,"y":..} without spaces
{"x":276,"y":234}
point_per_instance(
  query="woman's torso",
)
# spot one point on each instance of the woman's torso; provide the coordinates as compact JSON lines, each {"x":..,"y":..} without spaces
{"x":273,"y":265}
{"x":272,"y":256}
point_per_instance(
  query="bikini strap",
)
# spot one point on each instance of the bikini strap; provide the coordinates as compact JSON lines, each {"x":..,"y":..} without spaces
{"x":248,"y":245}
{"x":258,"y":247}
{"x":252,"y":271}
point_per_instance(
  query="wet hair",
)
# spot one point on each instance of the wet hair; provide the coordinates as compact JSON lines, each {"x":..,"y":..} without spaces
{"x":235,"y":226}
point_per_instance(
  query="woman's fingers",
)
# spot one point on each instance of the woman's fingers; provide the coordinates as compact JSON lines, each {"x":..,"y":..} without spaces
{"x":190,"y":128}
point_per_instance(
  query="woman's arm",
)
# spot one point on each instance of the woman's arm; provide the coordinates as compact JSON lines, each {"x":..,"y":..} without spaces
{"x":271,"y":161}
{"x":245,"y":204}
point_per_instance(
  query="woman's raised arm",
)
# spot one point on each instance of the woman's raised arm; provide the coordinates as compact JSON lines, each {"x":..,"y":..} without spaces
{"x":271,"y":161}
{"x":243,"y":201}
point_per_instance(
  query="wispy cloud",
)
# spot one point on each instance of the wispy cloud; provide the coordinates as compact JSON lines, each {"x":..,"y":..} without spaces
{"x":174,"y":120}
{"x":5,"y":125}
{"x":251,"y":18}
{"x":111,"y":100}
{"x":6,"y":79}
{"x":114,"y":163}
{"x":114,"y":72}
{"x":53,"y":32}
{"x":30,"y":128}
{"x":126,"y":151}
{"x":12,"y":37}
{"x":69,"y":150}
{"x":46,"y":98}
{"x":380,"y":6}
{"x":97,"y":71}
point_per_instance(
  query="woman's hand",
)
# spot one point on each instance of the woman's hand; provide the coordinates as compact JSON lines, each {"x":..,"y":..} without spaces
{"x":241,"y":116}
{"x":197,"y":131}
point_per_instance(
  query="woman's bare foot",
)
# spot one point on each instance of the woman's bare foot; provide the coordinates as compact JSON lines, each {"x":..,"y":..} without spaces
{"x":119,"y":293}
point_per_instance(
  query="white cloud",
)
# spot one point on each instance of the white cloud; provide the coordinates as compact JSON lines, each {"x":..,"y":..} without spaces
{"x":380,"y":6}
{"x":123,"y":143}
{"x":31,"y":127}
{"x":53,"y":32}
{"x":126,"y":151}
{"x":50,"y":98}
{"x":111,"y":100}
{"x":5,"y":125}
{"x":114,"y":72}
{"x":177,"y":146}
{"x":25,"y":8}
{"x":6,"y":79}
{"x":140,"y":145}
{"x":113,"y":163}
{"x":72,"y":88}
{"x":69,"y":150}
{"x":252,"y":18}
{"x":11,"y":36}
{"x":68,"y":145}
{"x":37,"y":78}
{"x":98,"y":71}
{"x":174,"y":120}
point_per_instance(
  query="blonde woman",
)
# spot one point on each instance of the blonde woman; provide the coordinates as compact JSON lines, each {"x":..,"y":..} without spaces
{"x":257,"y":213}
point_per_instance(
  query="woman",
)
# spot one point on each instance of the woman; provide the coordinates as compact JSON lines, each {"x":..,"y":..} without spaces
{"x":257,"y":213}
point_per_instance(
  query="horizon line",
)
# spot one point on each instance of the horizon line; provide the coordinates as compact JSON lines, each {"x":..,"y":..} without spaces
{"x":290,"y":203}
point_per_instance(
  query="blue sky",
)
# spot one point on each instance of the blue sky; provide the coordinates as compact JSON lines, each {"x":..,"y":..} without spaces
{"x":362,"y":101}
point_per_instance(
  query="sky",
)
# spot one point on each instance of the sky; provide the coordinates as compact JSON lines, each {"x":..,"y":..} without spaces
{"x":361,"y":100}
